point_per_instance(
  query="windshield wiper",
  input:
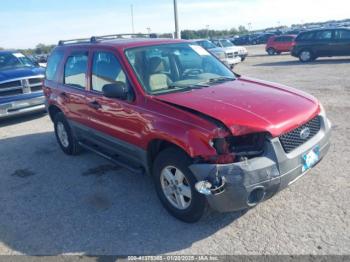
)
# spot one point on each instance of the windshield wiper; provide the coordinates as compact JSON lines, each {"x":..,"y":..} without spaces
{"x":220,"y":79}
{"x":188,"y":87}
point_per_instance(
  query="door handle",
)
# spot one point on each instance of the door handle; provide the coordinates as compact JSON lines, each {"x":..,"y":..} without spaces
{"x":94,"y":104}
{"x":64,"y":96}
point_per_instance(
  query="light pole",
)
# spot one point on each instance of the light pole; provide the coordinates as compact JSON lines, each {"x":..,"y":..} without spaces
{"x":132,"y":18}
{"x":177,"y":32}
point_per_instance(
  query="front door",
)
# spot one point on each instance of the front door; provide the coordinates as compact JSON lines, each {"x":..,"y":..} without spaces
{"x":115,"y":122}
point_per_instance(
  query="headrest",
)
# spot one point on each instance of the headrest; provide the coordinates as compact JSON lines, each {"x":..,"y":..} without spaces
{"x":156,"y":65}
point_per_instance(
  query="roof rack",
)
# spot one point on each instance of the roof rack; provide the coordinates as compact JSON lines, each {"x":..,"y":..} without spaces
{"x":95,"y":39}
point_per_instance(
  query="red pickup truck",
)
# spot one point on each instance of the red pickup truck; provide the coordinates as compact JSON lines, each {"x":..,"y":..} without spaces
{"x":168,"y":108}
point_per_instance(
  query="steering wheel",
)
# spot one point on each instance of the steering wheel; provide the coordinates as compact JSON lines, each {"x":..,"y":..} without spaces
{"x":191,"y":73}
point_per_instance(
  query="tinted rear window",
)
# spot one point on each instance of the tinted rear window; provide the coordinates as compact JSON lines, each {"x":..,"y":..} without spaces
{"x":52,"y":64}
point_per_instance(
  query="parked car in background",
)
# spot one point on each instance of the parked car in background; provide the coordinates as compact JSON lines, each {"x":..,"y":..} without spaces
{"x":242,"y":40}
{"x":20,"y":84}
{"x":263,"y":38}
{"x":226,"y":56}
{"x":230,"y":47}
{"x":205,"y":135}
{"x":328,"y":42}
{"x":279,"y":44}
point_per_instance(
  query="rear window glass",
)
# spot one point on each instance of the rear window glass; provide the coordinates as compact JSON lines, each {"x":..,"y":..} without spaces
{"x":342,"y":34}
{"x":323,"y":35}
{"x":52,"y":64}
{"x":75,"y":70}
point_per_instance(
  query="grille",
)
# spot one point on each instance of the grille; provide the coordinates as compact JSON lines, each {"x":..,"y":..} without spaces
{"x":11,"y":84}
{"x":35,"y":80}
{"x":11,"y":92}
{"x":36,"y":88}
{"x":292,"y":140}
{"x":230,"y":55}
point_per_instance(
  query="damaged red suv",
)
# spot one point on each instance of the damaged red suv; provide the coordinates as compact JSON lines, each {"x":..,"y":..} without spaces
{"x":168,"y":108}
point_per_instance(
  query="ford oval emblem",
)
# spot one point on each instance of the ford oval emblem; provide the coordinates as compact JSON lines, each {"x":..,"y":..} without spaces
{"x":304,"y":134}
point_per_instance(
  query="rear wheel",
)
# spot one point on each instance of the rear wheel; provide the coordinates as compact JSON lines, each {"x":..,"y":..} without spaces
{"x":306,"y":56}
{"x":175,"y":185}
{"x":271,"y":51}
{"x":65,"y":138}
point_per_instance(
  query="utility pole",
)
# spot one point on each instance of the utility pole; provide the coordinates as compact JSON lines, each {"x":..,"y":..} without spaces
{"x":132,"y":18}
{"x":177,"y":32}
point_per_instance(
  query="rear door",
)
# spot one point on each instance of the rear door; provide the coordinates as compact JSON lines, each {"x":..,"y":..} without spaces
{"x":72,"y":87}
{"x":341,"y":42}
{"x":323,"y":43}
{"x":278,"y":43}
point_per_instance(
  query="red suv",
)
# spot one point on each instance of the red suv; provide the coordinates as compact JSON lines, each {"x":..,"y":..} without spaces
{"x":280,"y":43}
{"x":170,"y":109}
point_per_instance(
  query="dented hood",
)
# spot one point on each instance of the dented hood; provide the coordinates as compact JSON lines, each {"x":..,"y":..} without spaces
{"x":247,"y":105}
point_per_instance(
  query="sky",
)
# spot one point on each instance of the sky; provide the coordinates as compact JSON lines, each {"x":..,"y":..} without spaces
{"x":25,"y":23}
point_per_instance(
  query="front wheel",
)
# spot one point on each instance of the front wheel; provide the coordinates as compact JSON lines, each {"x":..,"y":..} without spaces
{"x":271,"y":51}
{"x":175,"y":185}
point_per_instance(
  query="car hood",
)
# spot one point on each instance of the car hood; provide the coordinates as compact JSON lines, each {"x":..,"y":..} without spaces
{"x":235,"y":49}
{"x":15,"y":73}
{"x":247,"y":105}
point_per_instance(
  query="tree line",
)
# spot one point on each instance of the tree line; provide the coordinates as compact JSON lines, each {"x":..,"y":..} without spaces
{"x":208,"y":33}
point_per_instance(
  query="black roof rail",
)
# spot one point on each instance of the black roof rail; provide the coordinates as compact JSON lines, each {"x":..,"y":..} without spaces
{"x":95,"y":39}
{"x":74,"y":41}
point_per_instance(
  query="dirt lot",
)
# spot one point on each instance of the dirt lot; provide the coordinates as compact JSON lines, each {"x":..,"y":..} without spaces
{"x":55,"y":204}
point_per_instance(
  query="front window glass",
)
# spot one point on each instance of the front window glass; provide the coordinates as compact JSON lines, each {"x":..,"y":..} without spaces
{"x":14,"y":60}
{"x":226,"y":43}
{"x":106,"y":69}
{"x":176,"y":68}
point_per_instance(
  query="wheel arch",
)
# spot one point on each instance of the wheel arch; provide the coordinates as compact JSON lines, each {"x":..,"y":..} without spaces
{"x":53,"y":110}
{"x":156,"y":146}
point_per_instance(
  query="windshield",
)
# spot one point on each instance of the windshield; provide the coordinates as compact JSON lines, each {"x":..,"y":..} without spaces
{"x":14,"y":60}
{"x":206,"y":44}
{"x":226,"y":43}
{"x":176,"y":67}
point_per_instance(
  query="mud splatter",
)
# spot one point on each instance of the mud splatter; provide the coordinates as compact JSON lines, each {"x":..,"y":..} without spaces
{"x":100,"y":170}
{"x":23,"y":173}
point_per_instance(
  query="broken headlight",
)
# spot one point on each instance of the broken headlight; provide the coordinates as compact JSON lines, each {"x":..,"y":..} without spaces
{"x":238,"y":148}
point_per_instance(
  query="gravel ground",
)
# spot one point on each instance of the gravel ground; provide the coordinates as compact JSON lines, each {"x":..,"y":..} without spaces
{"x":56,"y":204}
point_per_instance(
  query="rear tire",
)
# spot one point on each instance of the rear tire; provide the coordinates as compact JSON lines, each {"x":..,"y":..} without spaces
{"x":180,"y":198}
{"x":64,"y":135}
{"x":306,"y":56}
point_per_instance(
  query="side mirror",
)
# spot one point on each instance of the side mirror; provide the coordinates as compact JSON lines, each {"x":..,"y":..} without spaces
{"x":116,"y":90}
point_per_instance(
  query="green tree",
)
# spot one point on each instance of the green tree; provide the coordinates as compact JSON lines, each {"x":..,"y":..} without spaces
{"x":242,"y":30}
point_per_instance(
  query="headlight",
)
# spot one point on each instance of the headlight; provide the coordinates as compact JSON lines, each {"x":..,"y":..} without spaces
{"x":322,"y":111}
{"x":238,"y":148}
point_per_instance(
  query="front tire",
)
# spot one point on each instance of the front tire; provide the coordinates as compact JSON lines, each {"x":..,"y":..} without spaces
{"x":64,"y":135}
{"x":175,"y":186}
